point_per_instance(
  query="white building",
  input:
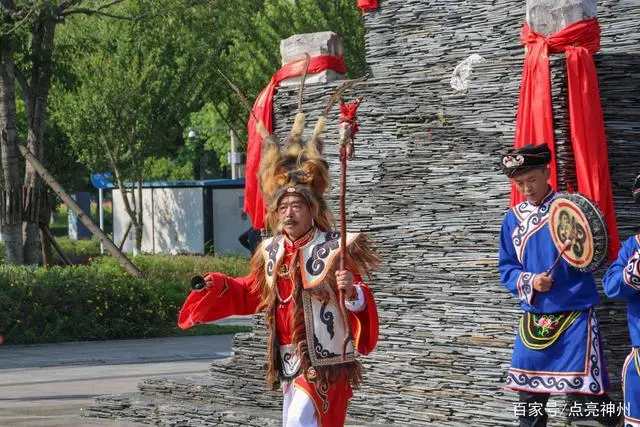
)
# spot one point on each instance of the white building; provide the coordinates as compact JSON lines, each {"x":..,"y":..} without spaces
{"x":193,"y":217}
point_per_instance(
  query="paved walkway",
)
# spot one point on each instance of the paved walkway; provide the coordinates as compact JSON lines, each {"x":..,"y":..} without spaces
{"x":48,"y":385}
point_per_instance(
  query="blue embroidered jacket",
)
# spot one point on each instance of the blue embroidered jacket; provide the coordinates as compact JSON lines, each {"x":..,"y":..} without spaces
{"x":622,"y":280}
{"x":526,"y":249}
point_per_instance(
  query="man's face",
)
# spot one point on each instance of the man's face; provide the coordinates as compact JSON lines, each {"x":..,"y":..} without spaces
{"x":294,"y":215}
{"x":533,"y":184}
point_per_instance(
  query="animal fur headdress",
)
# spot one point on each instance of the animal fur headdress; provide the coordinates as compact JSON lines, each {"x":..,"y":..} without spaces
{"x":297,"y":166}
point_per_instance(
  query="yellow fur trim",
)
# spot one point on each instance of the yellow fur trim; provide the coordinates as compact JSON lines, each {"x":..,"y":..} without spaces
{"x":298,"y":125}
{"x":319,"y":128}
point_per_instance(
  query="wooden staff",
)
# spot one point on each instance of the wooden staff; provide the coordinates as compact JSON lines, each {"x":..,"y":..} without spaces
{"x":348,"y":128}
{"x":343,"y":244}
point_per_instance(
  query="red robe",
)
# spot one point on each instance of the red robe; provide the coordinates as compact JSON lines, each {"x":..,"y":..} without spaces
{"x":236,"y":296}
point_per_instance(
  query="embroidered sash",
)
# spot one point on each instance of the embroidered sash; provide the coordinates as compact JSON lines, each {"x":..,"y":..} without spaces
{"x":539,"y":331}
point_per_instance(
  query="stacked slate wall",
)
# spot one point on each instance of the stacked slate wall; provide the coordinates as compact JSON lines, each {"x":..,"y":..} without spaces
{"x":424,"y":185}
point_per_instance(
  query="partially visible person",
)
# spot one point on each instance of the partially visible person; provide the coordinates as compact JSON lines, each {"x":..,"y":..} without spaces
{"x":622,"y":281}
{"x":558,"y":347}
{"x":250,"y":239}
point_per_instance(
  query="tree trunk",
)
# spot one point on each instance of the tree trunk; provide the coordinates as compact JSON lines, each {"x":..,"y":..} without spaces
{"x":130,"y":205}
{"x":86,"y":219}
{"x":138,"y":223}
{"x":137,"y":178}
{"x":42,"y":48}
{"x":43,"y":222}
{"x":11,"y":202}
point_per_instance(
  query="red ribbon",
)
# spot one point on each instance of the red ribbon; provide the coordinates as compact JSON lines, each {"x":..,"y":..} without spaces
{"x":367,"y":4}
{"x":263,"y":111}
{"x":534,"y":124}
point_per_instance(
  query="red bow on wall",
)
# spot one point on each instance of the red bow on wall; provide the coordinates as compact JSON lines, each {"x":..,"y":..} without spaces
{"x":534,"y":124}
{"x":367,"y":4}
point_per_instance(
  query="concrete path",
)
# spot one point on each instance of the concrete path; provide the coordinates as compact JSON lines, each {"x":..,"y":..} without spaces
{"x":48,"y":385}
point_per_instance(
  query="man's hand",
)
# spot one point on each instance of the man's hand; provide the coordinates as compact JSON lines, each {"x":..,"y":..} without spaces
{"x":209,"y":280}
{"x":542,"y":282}
{"x":344,"y":279}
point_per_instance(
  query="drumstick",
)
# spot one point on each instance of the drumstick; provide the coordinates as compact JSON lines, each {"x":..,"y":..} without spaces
{"x":567,"y":244}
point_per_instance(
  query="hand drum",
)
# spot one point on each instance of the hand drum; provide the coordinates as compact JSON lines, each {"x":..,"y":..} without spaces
{"x":574,"y":217}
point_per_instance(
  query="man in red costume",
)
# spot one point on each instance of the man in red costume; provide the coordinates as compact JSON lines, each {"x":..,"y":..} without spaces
{"x":295,"y":278}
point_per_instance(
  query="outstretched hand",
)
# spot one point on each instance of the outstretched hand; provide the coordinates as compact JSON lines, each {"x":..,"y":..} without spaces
{"x":209,"y":280}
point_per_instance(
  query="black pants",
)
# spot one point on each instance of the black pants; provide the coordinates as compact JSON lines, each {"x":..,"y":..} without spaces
{"x":536,"y":415}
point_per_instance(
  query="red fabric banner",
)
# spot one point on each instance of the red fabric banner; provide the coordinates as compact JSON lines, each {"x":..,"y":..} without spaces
{"x":263,"y":110}
{"x":367,"y":4}
{"x":534,"y":123}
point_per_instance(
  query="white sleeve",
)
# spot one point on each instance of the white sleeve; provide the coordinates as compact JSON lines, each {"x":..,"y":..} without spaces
{"x":356,"y":305}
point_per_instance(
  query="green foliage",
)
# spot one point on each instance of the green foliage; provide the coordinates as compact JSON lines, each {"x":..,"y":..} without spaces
{"x":156,"y":76}
{"x":252,"y":43}
{"x":213,"y":135}
{"x":79,"y":250}
{"x":179,"y":269}
{"x":165,"y":168}
{"x":173,"y":273}
{"x":137,"y":82}
{"x":100,"y":301}
{"x":76,"y":303}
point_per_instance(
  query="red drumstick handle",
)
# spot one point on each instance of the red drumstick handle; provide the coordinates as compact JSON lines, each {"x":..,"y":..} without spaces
{"x":567,"y":244}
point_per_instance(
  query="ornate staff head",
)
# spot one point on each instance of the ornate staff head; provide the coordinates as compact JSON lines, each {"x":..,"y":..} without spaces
{"x":348,"y":127}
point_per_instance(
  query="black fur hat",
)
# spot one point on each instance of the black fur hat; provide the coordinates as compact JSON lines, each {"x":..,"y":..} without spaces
{"x":525,"y":158}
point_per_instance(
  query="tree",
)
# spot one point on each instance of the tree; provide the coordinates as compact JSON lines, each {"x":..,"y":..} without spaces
{"x":27,"y":34}
{"x":12,"y":190}
{"x":141,"y":85}
{"x":251,"y":33}
{"x":137,"y":83}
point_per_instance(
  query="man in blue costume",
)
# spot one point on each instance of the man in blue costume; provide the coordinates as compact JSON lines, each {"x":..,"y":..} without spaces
{"x":558,"y":347}
{"x":623,"y":281}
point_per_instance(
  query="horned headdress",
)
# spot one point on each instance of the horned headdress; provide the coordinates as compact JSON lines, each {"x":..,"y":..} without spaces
{"x":297,"y":165}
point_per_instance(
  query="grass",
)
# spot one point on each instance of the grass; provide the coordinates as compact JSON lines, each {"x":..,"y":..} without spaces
{"x":60,"y":225}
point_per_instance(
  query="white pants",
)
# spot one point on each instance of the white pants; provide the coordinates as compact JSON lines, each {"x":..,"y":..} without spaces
{"x":298,"y":409}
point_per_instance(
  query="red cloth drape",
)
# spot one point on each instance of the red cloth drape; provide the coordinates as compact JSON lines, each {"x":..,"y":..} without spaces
{"x":534,"y":124}
{"x":263,"y":110}
{"x":367,"y":4}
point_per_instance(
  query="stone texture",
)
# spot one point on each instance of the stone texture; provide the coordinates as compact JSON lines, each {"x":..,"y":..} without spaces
{"x":314,"y":44}
{"x":550,"y":16}
{"x":424,"y":185}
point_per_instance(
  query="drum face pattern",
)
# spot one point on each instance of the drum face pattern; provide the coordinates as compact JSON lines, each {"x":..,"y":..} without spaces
{"x":574,"y":217}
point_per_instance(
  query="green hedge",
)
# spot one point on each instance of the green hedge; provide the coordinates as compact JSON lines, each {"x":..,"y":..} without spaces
{"x":100,"y":301}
